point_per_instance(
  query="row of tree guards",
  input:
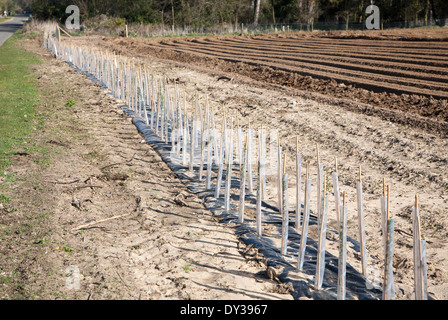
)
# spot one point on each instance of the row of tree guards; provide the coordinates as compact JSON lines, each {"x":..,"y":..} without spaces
{"x":232,"y":152}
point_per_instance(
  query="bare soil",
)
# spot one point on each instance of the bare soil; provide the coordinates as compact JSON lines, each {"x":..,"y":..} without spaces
{"x":402,"y":79}
{"x":163,"y":250}
{"x":96,"y":206}
{"x":391,"y":138}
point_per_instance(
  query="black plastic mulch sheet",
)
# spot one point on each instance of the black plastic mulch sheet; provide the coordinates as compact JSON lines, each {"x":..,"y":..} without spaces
{"x":357,"y":286}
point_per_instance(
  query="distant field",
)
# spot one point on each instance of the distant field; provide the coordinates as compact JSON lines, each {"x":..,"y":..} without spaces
{"x":402,"y":71}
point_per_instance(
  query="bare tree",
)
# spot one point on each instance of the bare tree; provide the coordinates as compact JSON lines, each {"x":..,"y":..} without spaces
{"x":257,"y":11}
{"x":308,"y":11}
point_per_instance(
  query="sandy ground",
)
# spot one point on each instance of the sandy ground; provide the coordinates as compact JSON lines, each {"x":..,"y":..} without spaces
{"x":150,"y":246}
{"x":163,"y":250}
{"x":411,"y":160}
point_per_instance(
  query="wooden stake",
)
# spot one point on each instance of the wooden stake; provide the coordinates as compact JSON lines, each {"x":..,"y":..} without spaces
{"x":59,"y":34}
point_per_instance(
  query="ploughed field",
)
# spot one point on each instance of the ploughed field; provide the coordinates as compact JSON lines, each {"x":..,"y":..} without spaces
{"x":399,"y":74}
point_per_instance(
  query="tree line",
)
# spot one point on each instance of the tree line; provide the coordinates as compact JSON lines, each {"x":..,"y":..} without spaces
{"x":202,"y":13}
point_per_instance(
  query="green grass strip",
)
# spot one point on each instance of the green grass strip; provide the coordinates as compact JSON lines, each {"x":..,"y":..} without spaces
{"x":18,"y":96}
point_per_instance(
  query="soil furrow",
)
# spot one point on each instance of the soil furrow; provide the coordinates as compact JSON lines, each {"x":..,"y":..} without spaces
{"x":436,"y":65}
{"x":367,"y":82}
{"x":420,"y":47}
{"x":308,"y":60}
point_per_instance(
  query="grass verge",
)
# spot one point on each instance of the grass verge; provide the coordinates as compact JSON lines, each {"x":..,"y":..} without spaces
{"x":18,"y":97}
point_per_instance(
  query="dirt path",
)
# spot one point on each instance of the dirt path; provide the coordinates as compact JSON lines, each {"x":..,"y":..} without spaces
{"x":107,"y":219}
{"x":410,"y":159}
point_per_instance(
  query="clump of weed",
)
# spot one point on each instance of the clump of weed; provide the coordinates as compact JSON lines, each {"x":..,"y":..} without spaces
{"x":4,"y":198}
{"x":71,"y":103}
